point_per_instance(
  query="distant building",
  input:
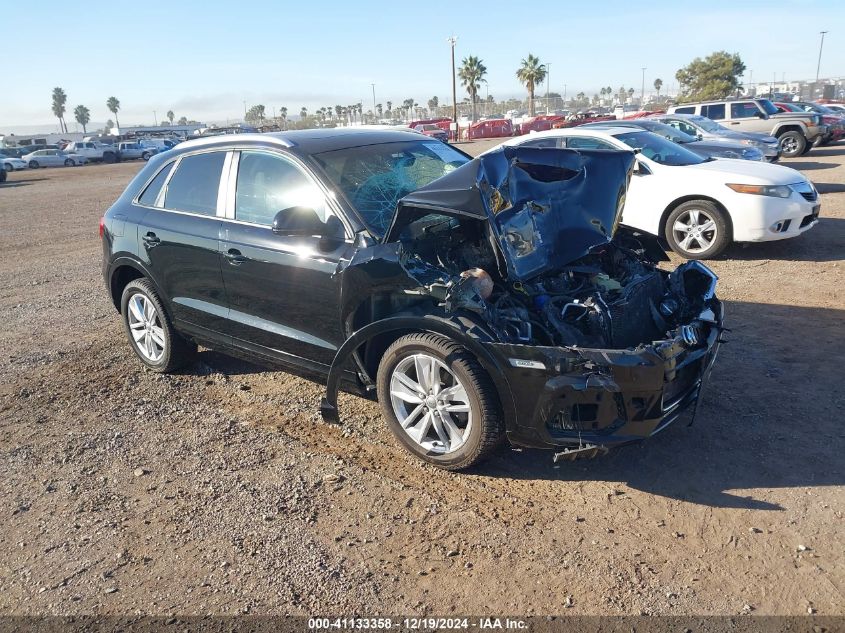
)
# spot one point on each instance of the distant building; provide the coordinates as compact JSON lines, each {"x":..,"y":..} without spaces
{"x":182,"y":131}
{"x":47,"y":138}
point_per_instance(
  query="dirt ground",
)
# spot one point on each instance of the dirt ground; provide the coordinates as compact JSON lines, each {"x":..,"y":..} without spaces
{"x":220,"y":490}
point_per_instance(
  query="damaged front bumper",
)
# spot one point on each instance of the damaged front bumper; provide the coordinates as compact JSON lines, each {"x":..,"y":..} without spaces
{"x":593,"y":399}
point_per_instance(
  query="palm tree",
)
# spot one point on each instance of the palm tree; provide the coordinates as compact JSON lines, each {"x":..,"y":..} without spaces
{"x":338,"y":110}
{"x":303,"y":112}
{"x":602,"y":92}
{"x":379,"y":110}
{"x":630,"y":93}
{"x":389,"y":108}
{"x":471,"y":73}
{"x":658,"y":84}
{"x":114,"y":105}
{"x":433,"y":103}
{"x":531,"y":72}
{"x":170,"y":116}
{"x":82,"y":116}
{"x":59,"y":100}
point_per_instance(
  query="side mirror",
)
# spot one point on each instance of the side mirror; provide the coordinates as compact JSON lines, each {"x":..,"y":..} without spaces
{"x":700,"y":136}
{"x":304,"y":222}
{"x":761,"y":115}
{"x":640,"y":169}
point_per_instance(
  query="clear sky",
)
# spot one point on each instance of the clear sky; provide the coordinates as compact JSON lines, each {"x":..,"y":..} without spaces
{"x":204,"y":59}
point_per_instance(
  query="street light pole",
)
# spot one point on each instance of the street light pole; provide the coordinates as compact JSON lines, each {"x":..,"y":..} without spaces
{"x":374,"y":100}
{"x":821,"y":44}
{"x":548,"y":83}
{"x":452,"y":41}
{"x":155,"y":118}
{"x":642,"y":91}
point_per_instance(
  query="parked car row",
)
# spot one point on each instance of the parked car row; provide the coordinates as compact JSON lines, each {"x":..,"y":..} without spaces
{"x":80,"y":153}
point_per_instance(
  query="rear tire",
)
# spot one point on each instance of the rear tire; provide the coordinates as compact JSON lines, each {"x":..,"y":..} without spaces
{"x":698,"y":229}
{"x":792,"y":143}
{"x":149,"y":330}
{"x":8,"y":167}
{"x":460,"y":407}
{"x":145,"y":156}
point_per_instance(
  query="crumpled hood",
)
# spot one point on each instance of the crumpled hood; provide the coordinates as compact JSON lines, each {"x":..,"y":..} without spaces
{"x":546,"y":207}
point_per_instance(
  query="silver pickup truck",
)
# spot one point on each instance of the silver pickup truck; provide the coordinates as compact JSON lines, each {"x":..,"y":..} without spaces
{"x":130,"y":151}
{"x":796,"y":131}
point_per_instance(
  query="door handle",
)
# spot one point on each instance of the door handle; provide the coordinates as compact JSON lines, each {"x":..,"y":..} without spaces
{"x":235,"y":257}
{"x":151,"y":239}
{"x":734,"y":122}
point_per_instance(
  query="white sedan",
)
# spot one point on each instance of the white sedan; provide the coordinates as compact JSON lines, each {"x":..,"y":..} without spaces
{"x":698,"y":205}
{"x":12,"y":164}
{"x":52,"y":158}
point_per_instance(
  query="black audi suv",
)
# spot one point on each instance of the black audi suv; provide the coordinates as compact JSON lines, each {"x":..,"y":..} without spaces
{"x":476,"y":299}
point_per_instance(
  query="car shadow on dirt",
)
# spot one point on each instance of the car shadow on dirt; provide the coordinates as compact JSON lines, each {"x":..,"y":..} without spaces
{"x":829,"y":187}
{"x":803,"y":166}
{"x":771,"y":417}
{"x":822,"y":243}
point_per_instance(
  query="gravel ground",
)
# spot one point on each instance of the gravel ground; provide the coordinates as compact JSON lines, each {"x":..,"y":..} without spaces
{"x":219,"y":490}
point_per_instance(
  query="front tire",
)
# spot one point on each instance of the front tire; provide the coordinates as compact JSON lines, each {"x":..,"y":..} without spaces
{"x":439,"y":402}
{"x":69,"y":163}
{"x":145,"y":156}
{"x":8,"y":167}
{"x":792,"y":143}
{"x":109,"y":157}
{"x":33,"y":164}
{"x":698,"y":229}
{"x":150,"y":333}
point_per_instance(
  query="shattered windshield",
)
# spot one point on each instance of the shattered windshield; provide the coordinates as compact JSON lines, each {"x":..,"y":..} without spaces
{"x":375,"y":177}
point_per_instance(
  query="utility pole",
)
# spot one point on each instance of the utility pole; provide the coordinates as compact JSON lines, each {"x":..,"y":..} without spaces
{"x":821,"y":44}
{"x":452,"y":41}
{"x":244,"y":111}
{"x":155,"y":118}
{"x":642,"y":91}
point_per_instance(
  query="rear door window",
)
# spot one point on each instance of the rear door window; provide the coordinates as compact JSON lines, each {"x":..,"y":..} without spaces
{"x":585,"y":142}
{"x":195,"y":184}
{"x":713,"y":111}
{"x":686,"y":110}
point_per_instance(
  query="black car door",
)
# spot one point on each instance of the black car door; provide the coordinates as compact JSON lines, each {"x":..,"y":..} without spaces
{"x":179,"y":237}
{"x":282,"y":293}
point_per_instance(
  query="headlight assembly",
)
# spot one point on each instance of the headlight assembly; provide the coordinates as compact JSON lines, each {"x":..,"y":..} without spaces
{"x":776,"y":191}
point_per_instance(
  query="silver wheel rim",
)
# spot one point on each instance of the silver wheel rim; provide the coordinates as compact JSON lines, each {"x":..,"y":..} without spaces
{"x":431,"y":404}
{"x":695,"y":231}
{"x":146,"y":329}
{"x":789,"y":144}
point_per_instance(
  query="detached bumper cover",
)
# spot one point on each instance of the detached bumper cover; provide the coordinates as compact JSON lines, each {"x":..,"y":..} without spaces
{"x":572,"y":397}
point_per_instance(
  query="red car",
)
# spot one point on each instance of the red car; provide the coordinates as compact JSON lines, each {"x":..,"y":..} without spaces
{"x":835,"y":123}
{"x":540,"y":123}
{"x":433,"y":130}
{"x":442,"y":122}
{"x":491,"y":128}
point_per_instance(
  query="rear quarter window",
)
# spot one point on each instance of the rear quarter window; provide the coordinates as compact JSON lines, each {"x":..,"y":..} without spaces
{"x":686,"y":110}
{"x":150,"y":194}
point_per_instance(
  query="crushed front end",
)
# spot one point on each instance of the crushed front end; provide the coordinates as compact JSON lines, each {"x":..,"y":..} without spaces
{"x":519,"y":255}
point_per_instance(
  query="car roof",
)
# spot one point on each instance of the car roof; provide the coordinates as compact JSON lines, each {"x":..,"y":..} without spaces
{"x":610,"y":130}
{"x":306,"y":141}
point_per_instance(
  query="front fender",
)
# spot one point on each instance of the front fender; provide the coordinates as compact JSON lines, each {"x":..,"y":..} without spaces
{"x":463,"y":333}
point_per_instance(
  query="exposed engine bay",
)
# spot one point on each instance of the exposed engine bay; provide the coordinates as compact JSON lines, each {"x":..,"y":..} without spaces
{"x":610,"y":298}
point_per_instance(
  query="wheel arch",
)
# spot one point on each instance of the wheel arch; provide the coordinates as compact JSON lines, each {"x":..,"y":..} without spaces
{"x":787,"y":127}
{"x":689,"y":198}
{"x":392,"y":328}
{"x":123,"y":271}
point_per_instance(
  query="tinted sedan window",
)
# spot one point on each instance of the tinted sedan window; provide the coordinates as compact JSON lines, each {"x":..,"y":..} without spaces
{"x":194,"y":185}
